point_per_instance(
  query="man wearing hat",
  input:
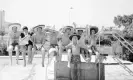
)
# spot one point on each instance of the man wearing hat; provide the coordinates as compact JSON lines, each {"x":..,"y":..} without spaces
{"x":13,"y":40}
{"x":74,"y":56}
{"x":38,"y":42}
{"x":63,"y":40}
{"x":93,"y":39}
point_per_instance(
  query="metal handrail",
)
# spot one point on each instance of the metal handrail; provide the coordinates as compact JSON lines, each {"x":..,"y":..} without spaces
{"x":125,"y":40}
{"x":124,"y":66}
{"x":124,"y":44}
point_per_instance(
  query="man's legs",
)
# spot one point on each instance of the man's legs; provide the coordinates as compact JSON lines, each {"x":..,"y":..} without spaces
{"x":33,"y":52}
{"x":29,"y":54}
{"x":17,"y":53}
{"x":78,"y":71}
{"x":97,"y":57}
{"x":10,"y":49}
{"x":72,"y":72}
{"x":24,"y":54}
{"x":60,"y":52}
{"x":43,"y":56}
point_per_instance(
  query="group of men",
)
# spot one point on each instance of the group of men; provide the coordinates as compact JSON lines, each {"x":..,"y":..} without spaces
{"x":70,"y":41}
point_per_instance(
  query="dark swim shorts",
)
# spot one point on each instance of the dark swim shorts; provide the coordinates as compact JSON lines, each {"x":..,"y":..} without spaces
{"x":75,"y":59}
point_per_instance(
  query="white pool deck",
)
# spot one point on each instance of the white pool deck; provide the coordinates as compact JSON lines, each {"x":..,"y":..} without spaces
{"x":37,"y":72}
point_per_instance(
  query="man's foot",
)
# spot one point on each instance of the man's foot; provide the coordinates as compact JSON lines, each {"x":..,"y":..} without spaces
{"x":29,"y":63}
{"x":42,"y":65}
{"x":17,"y":63}
{"x":25,"y":65}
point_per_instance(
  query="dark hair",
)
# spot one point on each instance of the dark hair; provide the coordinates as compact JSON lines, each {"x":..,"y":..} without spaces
{"x":25,"y":27}
{"x":91,"y":31}
{"x":67,"y":29}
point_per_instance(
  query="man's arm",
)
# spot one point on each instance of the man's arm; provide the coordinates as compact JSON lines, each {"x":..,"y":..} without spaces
{"x":9,"y":38}
{"x":83,"y":46}
{"x":69,"y":46}
{"x":44,"y":39}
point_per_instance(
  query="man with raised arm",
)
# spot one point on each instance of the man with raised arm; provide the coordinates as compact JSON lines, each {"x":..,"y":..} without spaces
{"x":38,"y":42}
{"x":93,"y":40}
{"x":74,"y":56}
{"x":13,"y":41}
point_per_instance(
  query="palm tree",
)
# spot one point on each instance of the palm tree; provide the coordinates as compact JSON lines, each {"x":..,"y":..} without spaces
{"x":2,"y":33}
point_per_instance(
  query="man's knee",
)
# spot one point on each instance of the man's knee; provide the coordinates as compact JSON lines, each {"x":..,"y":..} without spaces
{"x":29,"y":47}
{"x":90,"y":50}
{"x":69,"y":50}
{"x":33,"y":49}
{"x":42,"y":49}
{"x":16,"y":48}
{"x":10,"y":48}
{"x":52,"y":50}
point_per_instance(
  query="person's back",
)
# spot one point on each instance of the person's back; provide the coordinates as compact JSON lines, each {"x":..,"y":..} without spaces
{"x":82,"y":40}
{"x":65,"y":40}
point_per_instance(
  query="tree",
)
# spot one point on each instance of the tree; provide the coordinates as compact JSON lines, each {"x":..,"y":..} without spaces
{"x":126,"y":21}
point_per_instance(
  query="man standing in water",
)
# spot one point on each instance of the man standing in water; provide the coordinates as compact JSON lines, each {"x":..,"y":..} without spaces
{"x":13,"y":40}
{"x":74,"y":56}
{"x":38,"y":42}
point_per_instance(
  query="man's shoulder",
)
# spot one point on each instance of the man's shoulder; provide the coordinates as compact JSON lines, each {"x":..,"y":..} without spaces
{"x":60,"y":35}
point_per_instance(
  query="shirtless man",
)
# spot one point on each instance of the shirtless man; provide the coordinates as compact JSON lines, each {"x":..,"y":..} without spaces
{"x":13,"y":41}
{"x":74,"y":56}
{"x":38,"y":41}
{"x":63,"y":41}
{"x":93,"y":39}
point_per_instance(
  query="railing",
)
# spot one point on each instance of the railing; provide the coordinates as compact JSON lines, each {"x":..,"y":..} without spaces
{"x":124,"y":66}
{"x":123,"y":42}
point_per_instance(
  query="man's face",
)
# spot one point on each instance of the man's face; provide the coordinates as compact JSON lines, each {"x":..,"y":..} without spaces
{"x":74,"y":39}
{"x":14,"y":29}
{"x":68,"y":30}
{"x":39,"y":29}
{"x":80,"y":32}
{"x":25,"y":30}
{"x":93,"y":32}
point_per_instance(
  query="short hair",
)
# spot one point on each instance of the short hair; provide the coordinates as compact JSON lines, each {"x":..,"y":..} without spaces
{"x":25,"y":27}
{"x":67,"y":29}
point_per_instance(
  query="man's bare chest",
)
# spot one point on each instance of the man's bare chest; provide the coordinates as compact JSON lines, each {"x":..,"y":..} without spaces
{"x":75,"y":50}
{"x":14,"y":35}
{"x":38,"y":37}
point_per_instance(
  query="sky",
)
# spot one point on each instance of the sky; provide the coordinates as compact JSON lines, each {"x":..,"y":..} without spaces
{"x":59,"y":13}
